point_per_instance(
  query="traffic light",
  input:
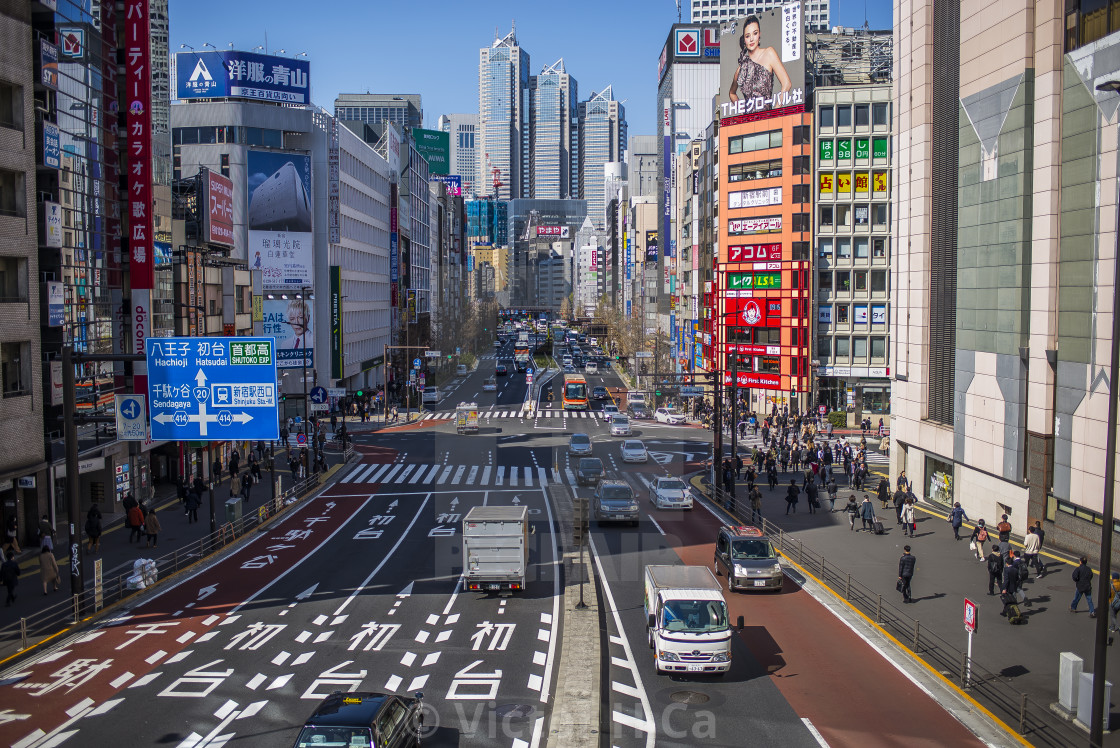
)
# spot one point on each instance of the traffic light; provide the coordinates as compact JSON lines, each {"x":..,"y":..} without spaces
{"x":283,"y":397}
{"x":359,"y":393}
{"x":657,"y":392}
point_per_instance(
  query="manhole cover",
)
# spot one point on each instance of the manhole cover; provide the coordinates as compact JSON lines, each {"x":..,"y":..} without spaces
{"x":515,"y":712}
{"x":689,"y":697}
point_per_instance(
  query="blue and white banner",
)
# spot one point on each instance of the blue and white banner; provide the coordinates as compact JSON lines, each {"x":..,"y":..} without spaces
{"x":247,"y":75}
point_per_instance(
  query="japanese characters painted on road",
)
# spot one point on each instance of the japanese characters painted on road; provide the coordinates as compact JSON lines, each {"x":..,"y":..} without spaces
{"x":212,"y":389}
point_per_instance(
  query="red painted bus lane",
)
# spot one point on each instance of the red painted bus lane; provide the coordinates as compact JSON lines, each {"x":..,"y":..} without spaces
{"x":826,"y":672}
{"x":86,"y":674}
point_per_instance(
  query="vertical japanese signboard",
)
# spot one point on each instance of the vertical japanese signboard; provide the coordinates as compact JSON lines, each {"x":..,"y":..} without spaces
{"x":336,"y":322}
{"x":219,"y":197}
{"x":138,"y":100}
{"x":333,"y":218}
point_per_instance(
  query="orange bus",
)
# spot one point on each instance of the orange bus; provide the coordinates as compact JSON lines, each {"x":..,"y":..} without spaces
{"x":575,"y":392}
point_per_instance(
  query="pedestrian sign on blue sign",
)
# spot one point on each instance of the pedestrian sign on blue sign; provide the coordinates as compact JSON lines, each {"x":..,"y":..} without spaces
{"x":212,"y":389}
{"x":318,"y":395}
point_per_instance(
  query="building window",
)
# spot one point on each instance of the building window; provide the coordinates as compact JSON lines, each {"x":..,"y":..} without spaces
{"x":225,"y":164}
{"x":801,"y":221}
{"x":878,"y":348}
{"x":881,"y":215}
{"x":11,"y":105}
{"x":842,"y":349}
{"x":826,"y":215}
{"x":801,"y":194}
{"x":862,"y":215}
{"x":859,"y":348}
{"x":13,"y":196}
{"x":844,"y":116}
{"x":13,"y":279}
{"x":801,"y":165}
{"x":844,"y":281}
{"x":879,"y":113}
{"x":824,"y":282}
{"x":826,"y":117}
{"x":800,"y":250}
{"x":878,"y":281}
{"x":863,"y":115}
{"x":825,"y":249}
{"x":15,"y":368}
{"x":755,"y":170}
{"x":844,"y":216}
{"x":758,"y":141}
{"x":841,"y":314}
{"x":770,"y":364}
{"x":861,"y":280}
{"x":843,"y":249}
{"x":861,"y":247}
{"x":879,"y":248}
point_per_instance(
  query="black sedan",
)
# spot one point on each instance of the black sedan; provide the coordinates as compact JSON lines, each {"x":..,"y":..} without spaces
{"x":639,"y":411}
{"x":600,"y":393}
{"x":501,"y":370}
{"x":364,"y":718}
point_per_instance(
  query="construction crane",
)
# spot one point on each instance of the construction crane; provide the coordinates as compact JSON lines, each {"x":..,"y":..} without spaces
{"x":495,"y":174}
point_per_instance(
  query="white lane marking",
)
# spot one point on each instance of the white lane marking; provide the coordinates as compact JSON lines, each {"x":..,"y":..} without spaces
{"x":472,"y":475}
{"x":376,"y":475}
{"x":501,"y":475}
{"x":443,"y":476}
{"x":646,"y":725}
{"x":389,"y":475}
{"x":625,"y":689}
{"x":571,"y":476}
{"x":542,"y":477}
{"x":393,"y":683}
{"x":429,"y":476}
{"x":384,"y":559}
{"x":814,"y":732}
{"x":528,"y":477}
{"x":513,"y":477}
{"x":404,"y":474}
{"x":550,"y":662}
{"x":458,"y":475}
{"x":651,"y":519}
{"x":121,"y":680}
{"x":619,"y":662}
{"x":629,"y":721}
{"x":419,"y":474}
{"x":485,"y":475}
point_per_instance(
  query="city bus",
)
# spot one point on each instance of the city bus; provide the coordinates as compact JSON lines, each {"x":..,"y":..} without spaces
{"x":575,"y":392}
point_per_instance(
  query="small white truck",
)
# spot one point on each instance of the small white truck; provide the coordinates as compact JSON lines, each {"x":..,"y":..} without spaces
{"x":688,"y":625}
{"x":496,"y":549}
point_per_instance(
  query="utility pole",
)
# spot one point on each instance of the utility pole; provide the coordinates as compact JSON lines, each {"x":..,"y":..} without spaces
{"x":73,"y":504}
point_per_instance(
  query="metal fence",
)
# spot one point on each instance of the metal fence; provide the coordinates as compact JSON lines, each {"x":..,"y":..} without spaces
{"x":57,"y":619}
{"x":1033,"y":720}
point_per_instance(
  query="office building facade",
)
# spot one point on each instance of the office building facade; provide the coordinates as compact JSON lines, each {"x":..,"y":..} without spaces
{"x":403,"y":110}
{"x":503,"y":119}
{"x":554,"y":134}
{"x":712,"y":11}
{"x":602,"y":136}
{"x":462,"y":129}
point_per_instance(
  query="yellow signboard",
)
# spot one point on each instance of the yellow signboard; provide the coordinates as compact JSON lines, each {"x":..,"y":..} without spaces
{"x":862,"y":181}
{"x":843,"y":182}
{"x":880,"y":181}
{"x":826,"y":183}
{"x":258,"y":308}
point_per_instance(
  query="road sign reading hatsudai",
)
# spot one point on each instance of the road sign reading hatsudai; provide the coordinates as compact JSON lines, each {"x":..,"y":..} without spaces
{"x":210,"y":389}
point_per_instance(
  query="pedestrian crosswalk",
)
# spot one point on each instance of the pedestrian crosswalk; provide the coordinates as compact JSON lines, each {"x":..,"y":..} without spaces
{"x":481,"y":476}
{"x":492,"y":414}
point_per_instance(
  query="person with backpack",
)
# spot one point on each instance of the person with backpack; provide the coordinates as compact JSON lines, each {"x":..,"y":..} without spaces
{"x":1083,"y":581}
{"x":957,"y":517}
{"x":831,"y":488}
{"x":995,"y":570}
{"x":1004,"y":529}
{"x":977,"y":539}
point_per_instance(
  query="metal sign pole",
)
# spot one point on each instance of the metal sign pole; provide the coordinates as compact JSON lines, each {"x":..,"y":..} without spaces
{"x":73,"y":480}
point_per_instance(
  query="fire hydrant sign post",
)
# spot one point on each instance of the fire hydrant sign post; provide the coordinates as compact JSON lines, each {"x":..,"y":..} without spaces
{"x":971,"y":614}
{"x":212,"y":389}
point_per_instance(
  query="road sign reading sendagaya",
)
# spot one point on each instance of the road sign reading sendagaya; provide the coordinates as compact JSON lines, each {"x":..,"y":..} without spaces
{"x":212,"y":389}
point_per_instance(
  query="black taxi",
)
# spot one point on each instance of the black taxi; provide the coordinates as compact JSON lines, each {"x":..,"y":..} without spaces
{"x":363,"y":718}
{"x":748,"y":559}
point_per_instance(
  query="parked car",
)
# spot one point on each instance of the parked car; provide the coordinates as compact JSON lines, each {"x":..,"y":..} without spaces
{"x":590,"y":471}
{"x":432,"y":395}
{"x":364,"y":718}
{"x":668,"y":415}
{"x":748,"y":559}
{"x":600,"y":393}
{"x":500,"y":370}
{"x":620,"y":426}
{"x":580,"y":444}
{"x":615,"y":501}
{"x":670,"y":493}
{"x":634,"y":451}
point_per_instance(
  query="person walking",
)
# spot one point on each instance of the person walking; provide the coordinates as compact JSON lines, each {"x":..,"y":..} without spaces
{"x":831,"y":488}
{"x":1004,"y":529}
{"x":46,"y":531}
{"x":738,"y":466}
{"x":1031,"y":546}
{"x":247,"y":485}
{"x":1113,"y":605}
{"x":995,"y":570}
{"x":792,"y":494}
{"x":867,"y":513}
{"x":135,"y":522}
{"x":234,"y":463}
{"x":909,"y":524}
{"x":1083,"y":582}
{"x":978,"y":538}
{"x":811,"y":493}
{"x":852,"y":508}
{"x":11,"y":531}
{"x":284,"y":435}
{"x":906,"y":565}
{"x":93,"y":528}
{"x":234,"y":485}
{"x":152,"y":529}
{"x":884,"y":492}
{"x":9,"y":576}
{"x":755,"y":497}
{"x":194,"y":501}
{"x":1041,"y":542}
{"x":48,"y":569}
{"x":1012,"y":582}
{"x":956,"y":519}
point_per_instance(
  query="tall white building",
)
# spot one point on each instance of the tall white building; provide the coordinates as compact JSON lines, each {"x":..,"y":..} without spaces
{"x":554,"y":171}
{"x":602,"y":128}
{"x":463,"y":132}
{"x":503,"y":119}
{"x":710,"y":11}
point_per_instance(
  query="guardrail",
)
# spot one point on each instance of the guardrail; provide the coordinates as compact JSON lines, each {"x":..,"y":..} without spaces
{"x":1032,"y":720}
{"x":57,"y":619}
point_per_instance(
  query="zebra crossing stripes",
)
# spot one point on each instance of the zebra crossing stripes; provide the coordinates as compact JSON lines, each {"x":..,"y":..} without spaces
{"x":445,"y":415}
{"x":486,"y":476}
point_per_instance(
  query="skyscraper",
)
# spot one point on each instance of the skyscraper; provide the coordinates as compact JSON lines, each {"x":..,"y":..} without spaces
{"x":503,"y":119}
{"x":602,"y":128}
{"x":554,"y":170}
{"x":463,"y":132}
{"x":709,"y":11}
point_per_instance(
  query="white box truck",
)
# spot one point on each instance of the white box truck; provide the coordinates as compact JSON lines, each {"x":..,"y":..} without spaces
{"x":496,"y":548}
{"x":688,"y":624}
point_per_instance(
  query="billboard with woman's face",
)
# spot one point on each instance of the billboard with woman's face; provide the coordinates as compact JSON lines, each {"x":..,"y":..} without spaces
{"x":762,"y":63}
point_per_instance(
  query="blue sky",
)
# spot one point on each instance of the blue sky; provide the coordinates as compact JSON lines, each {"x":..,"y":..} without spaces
{"x":431,"y":47}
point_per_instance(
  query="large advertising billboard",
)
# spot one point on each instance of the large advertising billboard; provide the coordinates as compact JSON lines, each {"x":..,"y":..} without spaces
{"x":219,"y":196}
{"x":280,"y":239}
{"x":290,"y":322}
{"x":245,"y":75}
{"x":435,"y":147}
{"x":762,"y":64}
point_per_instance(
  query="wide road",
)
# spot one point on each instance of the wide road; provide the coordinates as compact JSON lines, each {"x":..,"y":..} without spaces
{"x":358,"y":589}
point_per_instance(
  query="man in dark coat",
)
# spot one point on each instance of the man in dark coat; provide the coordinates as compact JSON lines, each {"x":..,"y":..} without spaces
{"x":1083,"y":579}
{"x":884,"y":492}
{"x":995,"y":570}
{"x":906,"y":566}
{"x":792,"y":494}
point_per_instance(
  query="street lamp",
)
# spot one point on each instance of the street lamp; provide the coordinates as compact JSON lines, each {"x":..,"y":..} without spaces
{"x":1100,"y":651}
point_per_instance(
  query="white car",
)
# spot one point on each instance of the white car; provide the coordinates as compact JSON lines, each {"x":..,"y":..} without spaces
{"x":670,"y":493}
{"x":668,"y":415}
{"x":610,"y":410}
{"x":490,"y":385}
{"x":432,"y":395}
{"x":591,"y":368}
{"x":634,"y":451}
{"x":620,"y":426}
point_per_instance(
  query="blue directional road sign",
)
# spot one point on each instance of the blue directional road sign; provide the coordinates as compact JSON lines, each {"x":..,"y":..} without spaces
{"x":415,"y":363}
{"x":318,"y":395}
{"x":212,"y":389}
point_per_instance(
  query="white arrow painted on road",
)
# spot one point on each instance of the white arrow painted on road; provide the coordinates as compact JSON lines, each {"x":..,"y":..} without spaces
{"x":406,"y":591}
{"x":393,"y":505}
{"x":307,"y":592}
{"x":516,"y":499}
{"x":455,"y":502}
{"x":206,"y":592}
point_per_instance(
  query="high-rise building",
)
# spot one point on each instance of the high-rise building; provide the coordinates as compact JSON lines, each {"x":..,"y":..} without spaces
{"x":602,"y":138}
{"x":709,"y":11}
{"x":462,"y":129}
{"x":554,"y":135}
{"x":403,"y":110}
{"x":503,"y":119}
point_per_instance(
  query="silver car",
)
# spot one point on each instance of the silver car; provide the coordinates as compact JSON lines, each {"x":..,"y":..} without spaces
{"x":670,"y":493}
{"x":579,"y":444}
{"x":620,"y":425}
{"x":634,"y":451}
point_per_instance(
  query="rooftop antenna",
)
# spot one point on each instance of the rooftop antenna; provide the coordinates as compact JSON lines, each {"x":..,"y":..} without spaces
{"x":678,"y":11}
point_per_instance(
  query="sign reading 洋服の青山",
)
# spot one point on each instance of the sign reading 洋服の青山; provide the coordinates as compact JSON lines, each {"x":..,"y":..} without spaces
{"x":290,"y":322}
{"x":211,"y":389}
{"x":244,"y":75}
{"x":279,"y":219}
{"x":762,"y":63}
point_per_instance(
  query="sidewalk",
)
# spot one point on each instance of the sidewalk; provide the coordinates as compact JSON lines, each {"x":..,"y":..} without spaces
{"x":117,"y":554}
{"x":1025,"y":657}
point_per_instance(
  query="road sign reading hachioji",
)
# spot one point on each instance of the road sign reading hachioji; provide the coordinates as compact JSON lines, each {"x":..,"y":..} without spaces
{"x":212,"y":389}
{"x":970,"y":615}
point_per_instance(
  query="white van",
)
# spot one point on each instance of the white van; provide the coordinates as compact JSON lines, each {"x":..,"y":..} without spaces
{"x":461,"y":370}
{"x":636,"y":398}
